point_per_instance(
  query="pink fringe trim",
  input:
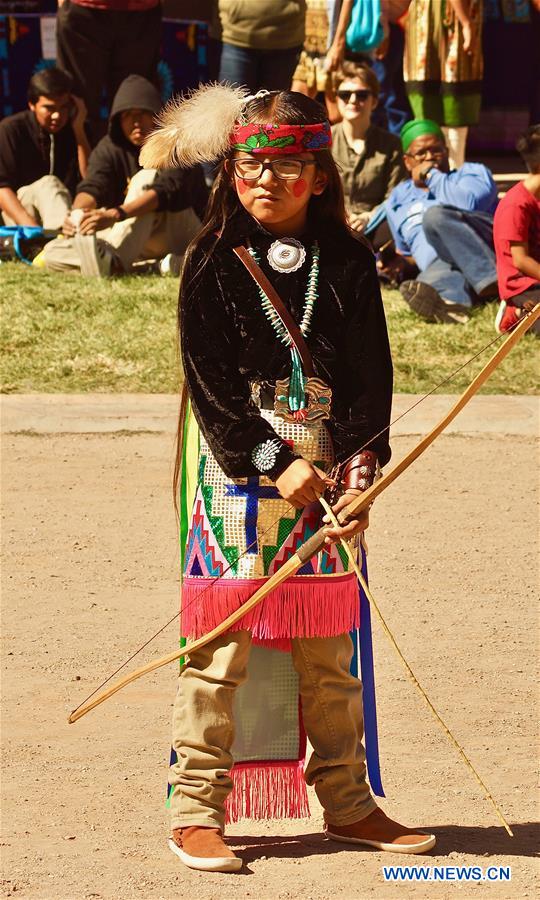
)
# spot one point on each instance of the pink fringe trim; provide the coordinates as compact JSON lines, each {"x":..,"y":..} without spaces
{"x":270,"y":790}
{"x":302,"y":606}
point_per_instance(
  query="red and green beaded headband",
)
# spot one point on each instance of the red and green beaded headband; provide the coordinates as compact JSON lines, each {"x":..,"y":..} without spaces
{"x":282,"y":139}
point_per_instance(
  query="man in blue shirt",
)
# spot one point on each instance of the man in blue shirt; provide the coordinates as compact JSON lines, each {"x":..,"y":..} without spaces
{"x":443,"y":221}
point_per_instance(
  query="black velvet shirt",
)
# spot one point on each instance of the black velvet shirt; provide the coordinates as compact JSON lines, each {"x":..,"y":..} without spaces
{"x":227,"y":343}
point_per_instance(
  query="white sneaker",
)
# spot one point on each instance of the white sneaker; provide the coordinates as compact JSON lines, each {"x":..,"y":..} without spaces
{"x":95,"y":257}
{"x":171,"y":264}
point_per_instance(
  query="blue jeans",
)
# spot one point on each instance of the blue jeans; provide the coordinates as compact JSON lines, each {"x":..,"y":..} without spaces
{"x":393,"y":109}
{"x":463,"y":242}
{"x":256,"y":69}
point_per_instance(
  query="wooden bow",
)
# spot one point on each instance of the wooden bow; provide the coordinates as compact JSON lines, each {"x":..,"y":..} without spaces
{"x":315,"y":543}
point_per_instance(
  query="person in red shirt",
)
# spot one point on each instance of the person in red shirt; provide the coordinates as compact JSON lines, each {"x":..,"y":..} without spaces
{"x":516,"y":235}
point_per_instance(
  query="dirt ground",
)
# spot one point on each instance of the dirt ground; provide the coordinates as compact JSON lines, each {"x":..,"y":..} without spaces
{"x":90,"y":571}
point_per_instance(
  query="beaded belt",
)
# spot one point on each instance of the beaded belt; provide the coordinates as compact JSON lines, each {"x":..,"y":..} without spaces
{"x":318,"y":400}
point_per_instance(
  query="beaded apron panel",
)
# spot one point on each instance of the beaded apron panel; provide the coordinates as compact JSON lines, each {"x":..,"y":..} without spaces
{"x":245,"y":523}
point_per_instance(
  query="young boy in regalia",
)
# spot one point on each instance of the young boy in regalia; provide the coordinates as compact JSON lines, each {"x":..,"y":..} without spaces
{"x":288,"y":375}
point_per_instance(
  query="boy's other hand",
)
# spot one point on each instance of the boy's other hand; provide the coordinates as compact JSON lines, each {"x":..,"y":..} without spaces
{"x":354,"y":526}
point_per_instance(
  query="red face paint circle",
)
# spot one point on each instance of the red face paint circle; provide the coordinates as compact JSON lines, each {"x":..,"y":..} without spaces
{"x":299,"y":187}
{"x":241,"y":186}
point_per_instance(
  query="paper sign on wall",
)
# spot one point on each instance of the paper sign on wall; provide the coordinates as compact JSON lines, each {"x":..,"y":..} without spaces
{"x":47,"y":26}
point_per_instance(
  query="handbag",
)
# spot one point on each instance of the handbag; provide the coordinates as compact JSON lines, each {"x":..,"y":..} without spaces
{"x":365,"y":31}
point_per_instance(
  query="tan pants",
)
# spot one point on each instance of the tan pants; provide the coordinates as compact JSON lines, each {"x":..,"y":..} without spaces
{"x":203,"y":729}
{"x":150,"y":236}
{"x":47,"y":200}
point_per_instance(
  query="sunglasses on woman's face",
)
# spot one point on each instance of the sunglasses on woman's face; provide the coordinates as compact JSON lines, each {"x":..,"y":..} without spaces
{"x":360,"y":95}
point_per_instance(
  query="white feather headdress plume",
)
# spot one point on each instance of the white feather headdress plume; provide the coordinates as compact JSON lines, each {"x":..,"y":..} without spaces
{"x":194,"y":129}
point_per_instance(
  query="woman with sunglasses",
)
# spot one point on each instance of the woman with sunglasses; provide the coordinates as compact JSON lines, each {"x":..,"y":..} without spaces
{"x":369,"y":158}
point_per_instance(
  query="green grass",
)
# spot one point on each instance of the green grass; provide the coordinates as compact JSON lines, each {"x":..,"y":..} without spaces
{"x":64,"y":333}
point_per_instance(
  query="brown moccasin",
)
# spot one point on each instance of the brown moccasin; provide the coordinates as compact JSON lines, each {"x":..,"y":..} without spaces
{"x":203,"y":849}
{"x":378,"y":831}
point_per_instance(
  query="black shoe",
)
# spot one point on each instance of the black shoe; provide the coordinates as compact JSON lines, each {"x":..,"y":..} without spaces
{"x":426,"y":302}
{"x":489,"y":292}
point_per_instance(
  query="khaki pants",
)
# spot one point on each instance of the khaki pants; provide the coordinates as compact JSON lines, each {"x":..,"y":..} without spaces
{"x":47,"y":200}
{"x":203,"y":729}
{"x":150,"y":236}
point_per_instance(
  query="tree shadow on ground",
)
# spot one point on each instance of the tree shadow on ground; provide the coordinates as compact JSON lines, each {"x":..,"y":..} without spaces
{"x":463,"y":839}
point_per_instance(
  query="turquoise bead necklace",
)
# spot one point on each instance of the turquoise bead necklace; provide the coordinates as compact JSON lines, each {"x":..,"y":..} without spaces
{"x":297,"y":381}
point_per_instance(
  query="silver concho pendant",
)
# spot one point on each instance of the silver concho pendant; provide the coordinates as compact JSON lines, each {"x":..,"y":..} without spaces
{"x":286,"y":255}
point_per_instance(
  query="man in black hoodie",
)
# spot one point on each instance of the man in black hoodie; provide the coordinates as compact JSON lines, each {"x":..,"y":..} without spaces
{"x":123,"y":213}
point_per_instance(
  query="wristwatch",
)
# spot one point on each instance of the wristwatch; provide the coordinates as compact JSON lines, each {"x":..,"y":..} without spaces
{"x":122,"y":214}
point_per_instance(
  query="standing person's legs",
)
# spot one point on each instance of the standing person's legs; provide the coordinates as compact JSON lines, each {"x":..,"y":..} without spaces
{"x":239,"y":66}
{"x":393,"y":109}
{"x":203,"y":731}
{"x":136,"y":44}
{"x":47,"y":200}
{"x":276,"y":68}
{"x":213,"y":58}
{"x":465,"y":241}
{"x":456,"y":141}
{"x":83,"y":49}
{"x":333,"y":718}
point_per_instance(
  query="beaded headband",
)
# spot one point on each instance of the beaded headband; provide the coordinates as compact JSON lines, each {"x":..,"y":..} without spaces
{"x":283,"y":139}
{"x":210,"y":121}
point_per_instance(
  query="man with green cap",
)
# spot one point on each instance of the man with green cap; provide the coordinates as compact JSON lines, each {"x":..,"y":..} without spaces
{"x":443,"y":221}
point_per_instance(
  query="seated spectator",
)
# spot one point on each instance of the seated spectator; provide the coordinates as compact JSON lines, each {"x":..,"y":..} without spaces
{"x":516,"y":234}
{"x":369,"y":158}
{"x":444,"y":221}
{"x":123,"y":213}
{"x":43,"y":153}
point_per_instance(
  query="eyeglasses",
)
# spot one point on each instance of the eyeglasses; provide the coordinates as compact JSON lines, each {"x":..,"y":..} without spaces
{"x":282,"y":169}
{"x":436,"y":152}
{"x":361,"y":95}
